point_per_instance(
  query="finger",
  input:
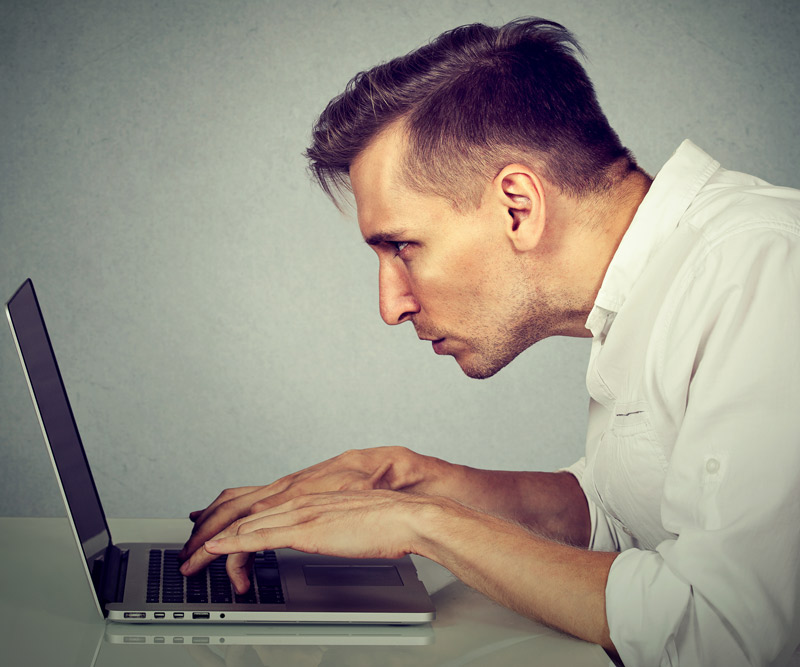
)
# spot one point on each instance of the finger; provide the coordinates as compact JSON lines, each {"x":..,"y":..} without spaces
{"x":225,"y":513}
{"x":238,"y":567}
{"x":226,"y":496}
{"x":273,"y":500}
{"x":267,"y":530}
{"x":251,"y":542}
{"x":201,"y":558}
{"x":198,"y":560}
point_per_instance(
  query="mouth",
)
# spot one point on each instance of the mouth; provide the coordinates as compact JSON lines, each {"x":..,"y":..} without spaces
{"x":438,"y":343}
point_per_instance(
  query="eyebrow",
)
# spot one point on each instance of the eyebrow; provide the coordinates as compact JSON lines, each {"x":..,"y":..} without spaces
{"x":384,"y":237}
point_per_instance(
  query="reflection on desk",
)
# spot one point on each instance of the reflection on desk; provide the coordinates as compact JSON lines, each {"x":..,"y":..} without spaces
{"x":53,"y":621}
{"x":270,"y":635}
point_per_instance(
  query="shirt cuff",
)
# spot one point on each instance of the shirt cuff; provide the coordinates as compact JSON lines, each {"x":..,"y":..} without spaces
{"x":645,"y":605}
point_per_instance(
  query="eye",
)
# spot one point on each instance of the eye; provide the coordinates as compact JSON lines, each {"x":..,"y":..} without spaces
{"x":399,"y":246}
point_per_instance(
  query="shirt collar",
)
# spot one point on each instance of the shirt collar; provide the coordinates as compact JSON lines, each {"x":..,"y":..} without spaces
{"x":670,"y":194}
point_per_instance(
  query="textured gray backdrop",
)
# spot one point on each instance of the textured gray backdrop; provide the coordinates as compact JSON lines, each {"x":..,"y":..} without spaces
{"x":215,"y":318}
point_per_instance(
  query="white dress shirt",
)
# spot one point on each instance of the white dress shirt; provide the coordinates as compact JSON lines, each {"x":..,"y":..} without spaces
{"x":692,"y":465}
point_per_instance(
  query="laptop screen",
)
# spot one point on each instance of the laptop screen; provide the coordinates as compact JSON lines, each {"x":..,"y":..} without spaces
{"x":57,"y":421}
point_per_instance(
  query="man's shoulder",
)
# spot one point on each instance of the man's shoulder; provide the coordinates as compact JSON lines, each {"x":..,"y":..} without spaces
{"x":740,"y":235}
{"x":732,"y":203}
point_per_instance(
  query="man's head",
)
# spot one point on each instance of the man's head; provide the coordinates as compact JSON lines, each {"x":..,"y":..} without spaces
{"x":467,"y":158}
{"x":466,"y":280}
{"x":474,"y":100}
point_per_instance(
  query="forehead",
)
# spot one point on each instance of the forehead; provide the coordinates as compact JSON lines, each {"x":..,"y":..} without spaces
{"x":387,"y":208}
{"x":375,"y":179}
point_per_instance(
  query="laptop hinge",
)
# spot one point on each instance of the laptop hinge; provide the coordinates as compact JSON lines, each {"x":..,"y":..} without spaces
{"x":114,"y":569}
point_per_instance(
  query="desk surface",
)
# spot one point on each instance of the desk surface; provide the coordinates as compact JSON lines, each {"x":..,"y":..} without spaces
{"x":47,"y":617}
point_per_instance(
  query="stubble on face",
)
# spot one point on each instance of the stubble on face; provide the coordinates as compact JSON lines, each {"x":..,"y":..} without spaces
{"x":492,"y":332}
{"x":493,"y":351}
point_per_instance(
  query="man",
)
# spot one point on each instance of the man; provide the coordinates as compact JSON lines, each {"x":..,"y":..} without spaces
{"x":504,"y":210}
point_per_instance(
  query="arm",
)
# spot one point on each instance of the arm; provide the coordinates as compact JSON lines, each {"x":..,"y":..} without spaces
{"x":549,"y":503}
{"x":561,"y":585}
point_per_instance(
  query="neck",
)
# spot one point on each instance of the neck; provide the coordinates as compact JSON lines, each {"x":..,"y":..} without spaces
{"x":591,"y":230}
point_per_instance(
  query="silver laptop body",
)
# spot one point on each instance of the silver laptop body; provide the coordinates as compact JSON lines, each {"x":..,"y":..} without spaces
{"x":287,"y":586}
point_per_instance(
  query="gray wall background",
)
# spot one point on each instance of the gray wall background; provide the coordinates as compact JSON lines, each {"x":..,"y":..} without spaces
{"x":214,"y":316}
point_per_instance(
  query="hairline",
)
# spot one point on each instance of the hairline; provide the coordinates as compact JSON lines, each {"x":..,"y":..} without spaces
{"x":476,"y":180}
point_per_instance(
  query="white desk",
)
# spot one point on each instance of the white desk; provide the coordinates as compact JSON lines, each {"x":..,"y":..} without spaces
{"x":47,"y":618}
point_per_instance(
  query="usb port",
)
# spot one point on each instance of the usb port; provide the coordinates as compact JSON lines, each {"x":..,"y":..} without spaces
{"x":200,"y":614}
{"x":134,"y":614}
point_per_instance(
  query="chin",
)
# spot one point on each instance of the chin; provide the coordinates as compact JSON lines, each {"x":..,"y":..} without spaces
{"x":480,"y":371}
{"x":479,"y":368}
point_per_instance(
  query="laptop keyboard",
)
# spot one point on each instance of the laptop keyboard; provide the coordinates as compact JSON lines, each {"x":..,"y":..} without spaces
{"x":166,"y":584}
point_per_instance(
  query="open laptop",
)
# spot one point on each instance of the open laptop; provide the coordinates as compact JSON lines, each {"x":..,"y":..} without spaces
{"x":140,"y":583}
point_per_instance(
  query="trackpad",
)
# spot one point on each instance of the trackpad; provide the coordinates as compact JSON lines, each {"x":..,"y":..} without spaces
{"x":352,"y":575}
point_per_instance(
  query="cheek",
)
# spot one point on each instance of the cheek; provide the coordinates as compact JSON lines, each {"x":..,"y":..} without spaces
{"x":457,"y":282}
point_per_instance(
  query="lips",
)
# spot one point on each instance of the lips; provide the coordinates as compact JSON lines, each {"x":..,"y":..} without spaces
{"x":437,"y":343}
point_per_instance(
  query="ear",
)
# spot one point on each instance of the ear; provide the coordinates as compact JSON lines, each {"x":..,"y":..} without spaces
{"x":520,"y":192}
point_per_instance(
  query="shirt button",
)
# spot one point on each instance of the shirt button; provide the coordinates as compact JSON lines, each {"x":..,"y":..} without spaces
{"x":712,"y":466}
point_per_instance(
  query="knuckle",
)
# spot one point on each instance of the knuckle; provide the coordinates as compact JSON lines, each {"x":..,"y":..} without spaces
{"x":302,"y":501}
{"x":260,"y":506}
{"x":245,"y":528}
{"x":235,"y":527}
{"x":350,"y":454}
{"x":360,"y":484}
{"x":228,"y":510}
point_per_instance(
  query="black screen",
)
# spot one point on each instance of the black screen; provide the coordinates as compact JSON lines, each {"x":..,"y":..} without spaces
{"x":58,"y":422}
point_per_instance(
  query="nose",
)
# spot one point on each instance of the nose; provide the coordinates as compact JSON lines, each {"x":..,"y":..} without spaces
{"x":397,"y":302}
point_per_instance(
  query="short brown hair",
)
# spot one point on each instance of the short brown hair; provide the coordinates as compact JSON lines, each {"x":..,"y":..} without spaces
{"x":472,"y":101}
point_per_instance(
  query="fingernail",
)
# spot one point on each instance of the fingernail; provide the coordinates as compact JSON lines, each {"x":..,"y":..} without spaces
{"x":212,"y":543}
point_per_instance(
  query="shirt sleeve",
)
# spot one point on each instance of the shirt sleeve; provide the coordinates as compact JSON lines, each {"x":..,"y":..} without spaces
{"x":726,"y":591}
{"x":605,"y":534}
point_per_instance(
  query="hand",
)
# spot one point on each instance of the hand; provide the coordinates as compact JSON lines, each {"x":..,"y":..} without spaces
{"x":353,"y":524}
{"x":349,"y":524}
{"x":378,"y":468}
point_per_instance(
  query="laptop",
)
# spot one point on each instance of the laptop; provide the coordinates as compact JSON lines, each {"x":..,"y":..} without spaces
{"x":140,"y":583}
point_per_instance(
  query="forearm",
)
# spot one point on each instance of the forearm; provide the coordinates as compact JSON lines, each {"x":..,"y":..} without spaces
{"x":560,"y":585}
{"x":550,"y":504}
